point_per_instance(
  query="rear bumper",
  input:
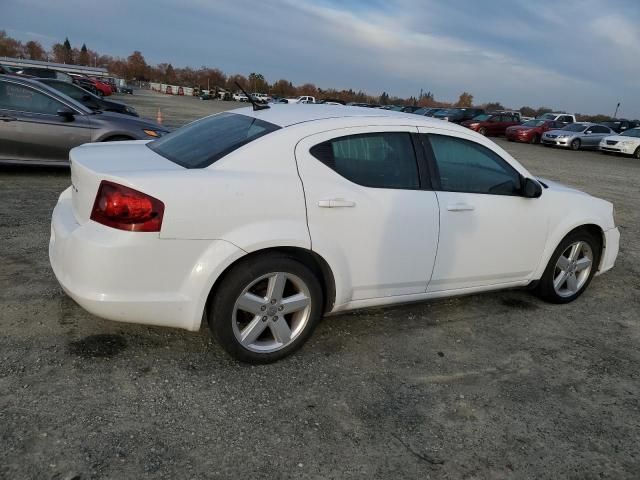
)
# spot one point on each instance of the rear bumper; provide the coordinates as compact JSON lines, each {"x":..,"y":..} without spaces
{"x":611,"y":248}
{"x":135,"y":277}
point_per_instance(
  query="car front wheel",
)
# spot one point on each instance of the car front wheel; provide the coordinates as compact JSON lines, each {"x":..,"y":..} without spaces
{"x":575,"y":145}
{"x":636,"y":154}
{"x":570,"y":268}
{"x":265,"y":309}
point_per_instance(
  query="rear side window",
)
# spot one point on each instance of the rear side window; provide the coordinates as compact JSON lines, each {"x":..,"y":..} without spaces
{"x":24,"y":99}
{"x":205,"y":141}
{"x":379,"y":160}
{"x":466,"y":166}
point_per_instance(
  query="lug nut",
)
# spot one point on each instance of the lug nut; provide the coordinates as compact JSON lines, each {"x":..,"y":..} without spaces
{"x":264,"y":319}
{"x":263,"y":308}
{"x":280,"y":308}
{"x":273,"y":301}
{"x":275,"y":319}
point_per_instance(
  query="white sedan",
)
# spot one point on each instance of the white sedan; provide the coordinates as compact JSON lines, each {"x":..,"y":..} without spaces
{"x":626,"y":143}
{"x":260,"y":222}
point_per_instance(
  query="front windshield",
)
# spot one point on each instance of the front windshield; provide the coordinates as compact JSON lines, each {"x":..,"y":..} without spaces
{"x":575,"y":127}
{"x":547,"y":116}
{"x":481,"y":118}
{"x":533,"y":123}
{"x":634,"y":132}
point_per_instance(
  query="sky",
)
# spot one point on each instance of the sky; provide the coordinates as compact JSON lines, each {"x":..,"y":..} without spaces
{"x":574,"y":55}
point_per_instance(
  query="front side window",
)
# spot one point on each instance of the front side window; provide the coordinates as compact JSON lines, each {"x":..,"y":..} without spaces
{"x":466,"y":166}
{"x":24,"y":99}
{"x":205,"y":141}
{"x":380,"y":160}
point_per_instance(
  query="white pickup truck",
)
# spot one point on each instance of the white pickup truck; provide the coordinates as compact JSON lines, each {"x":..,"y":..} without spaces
{"x":559,"y":117}
{"x":240,"y":97}
{"x":302,"y":99}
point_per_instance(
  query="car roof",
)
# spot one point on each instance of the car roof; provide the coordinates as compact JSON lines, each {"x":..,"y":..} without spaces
{"x":49,"y":90}
{"x":287,"y":115}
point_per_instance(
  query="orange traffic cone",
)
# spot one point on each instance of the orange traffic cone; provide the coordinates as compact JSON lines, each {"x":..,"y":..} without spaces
{"x":159,"y":117}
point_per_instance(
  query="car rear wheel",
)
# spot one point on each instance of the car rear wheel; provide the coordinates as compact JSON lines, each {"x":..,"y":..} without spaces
{"x":483,"y":131}
{"x":534,"y":139}
{"x":265,"y":309}
{"x":575,"y":145}
{"x":636,"y":154}
{"x":570,"y":268}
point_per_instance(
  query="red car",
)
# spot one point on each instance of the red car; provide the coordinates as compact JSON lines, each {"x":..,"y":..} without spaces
{"x":493,"y":124}
{"x":104,"y":89}
{"x":531,"y":131}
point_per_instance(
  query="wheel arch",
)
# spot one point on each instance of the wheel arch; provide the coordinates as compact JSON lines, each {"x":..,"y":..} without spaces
{"x":307,"y":257}
{"x":590,"y":226}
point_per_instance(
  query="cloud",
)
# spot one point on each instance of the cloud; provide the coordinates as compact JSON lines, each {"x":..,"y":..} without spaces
{"x":572,"y":55}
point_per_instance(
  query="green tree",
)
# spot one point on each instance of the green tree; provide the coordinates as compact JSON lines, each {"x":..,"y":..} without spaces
{"x":67,"y":53}
{"x":83,"y":57}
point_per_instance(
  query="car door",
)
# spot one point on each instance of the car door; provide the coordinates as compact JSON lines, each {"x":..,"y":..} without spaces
{"x":371,"y":213}
{"x":32,"y":130}
{"x":598,"y":133}
{"x":592,"y":136}
{"x":489,"y":234}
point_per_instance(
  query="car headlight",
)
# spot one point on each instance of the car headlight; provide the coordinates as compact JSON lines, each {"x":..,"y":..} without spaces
{"x":626,"y":144}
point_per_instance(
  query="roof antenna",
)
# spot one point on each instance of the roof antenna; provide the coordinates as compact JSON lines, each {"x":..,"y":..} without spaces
{"x":256,"y":105}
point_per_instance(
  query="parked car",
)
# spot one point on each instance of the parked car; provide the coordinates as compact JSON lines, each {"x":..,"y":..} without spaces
{"x":531,"y":131}
{"x":621,"y":125}
{"x":331,"y":101}
{"x":626,"y":143}
{"x":491,"y":124}
{"x":261,"y":97}
{"x":240,"y":97}
{"x":577,"y":135}
{"x":126,"y":89}
{"x":410,"y":108}
{"x":104,"y":89}
{"x":84,"y":82}
{"x":41,"y":72}
{"x":427,"y":112}
{"x":565,"y":118}
{"x":263,"y":276}
{"x":88,"y":99}
{"x":39,"y":125}
{"x":302,"y":99}
{"x":458,"y":115}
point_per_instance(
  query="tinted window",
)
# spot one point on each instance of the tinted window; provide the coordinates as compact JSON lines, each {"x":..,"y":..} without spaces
{"x":383,"y":160}
{"x":24,"y":99}
{"x":68,"y":89}
{"x":205,"y":141}
{"x":599,"y":129}
{"x":466,"y":166}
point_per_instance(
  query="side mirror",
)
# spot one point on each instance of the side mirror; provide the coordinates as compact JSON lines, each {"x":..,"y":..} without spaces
{"x":588,"y":132}
{"x":531,"y":188}
{"x":66,"y":113}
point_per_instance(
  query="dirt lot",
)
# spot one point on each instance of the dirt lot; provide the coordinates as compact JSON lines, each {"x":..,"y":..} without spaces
{"x":493,"y":386}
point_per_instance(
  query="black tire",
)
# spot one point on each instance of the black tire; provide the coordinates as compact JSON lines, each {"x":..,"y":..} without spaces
{"x":636,"y":154}
{"x":117,"y":138}
{"x":545,"y":288}
{"x":575,"y":144}
{"x":535,"y":139}
{"x":221,"y":308}
{"x":483,"y":131}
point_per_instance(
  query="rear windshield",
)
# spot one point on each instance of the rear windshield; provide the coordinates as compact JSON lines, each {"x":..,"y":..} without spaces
{"x":205,"y":141}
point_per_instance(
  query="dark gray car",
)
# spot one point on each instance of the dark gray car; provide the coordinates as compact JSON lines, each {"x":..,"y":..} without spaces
{"x":39,"y":125}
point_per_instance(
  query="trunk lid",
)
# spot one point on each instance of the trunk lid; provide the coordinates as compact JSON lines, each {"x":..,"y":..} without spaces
{"x":93,"y":162}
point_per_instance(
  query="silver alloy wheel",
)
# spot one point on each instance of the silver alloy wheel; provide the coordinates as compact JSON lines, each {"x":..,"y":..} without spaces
{"x":271,"y":312}
{"x":572,"y":269}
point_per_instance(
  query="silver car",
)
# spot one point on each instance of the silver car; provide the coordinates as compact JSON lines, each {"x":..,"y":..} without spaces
{"x":577,"y":135}
{"x":40,"y":125}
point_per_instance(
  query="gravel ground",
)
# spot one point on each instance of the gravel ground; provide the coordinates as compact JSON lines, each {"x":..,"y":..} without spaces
{"x":493,"y":386}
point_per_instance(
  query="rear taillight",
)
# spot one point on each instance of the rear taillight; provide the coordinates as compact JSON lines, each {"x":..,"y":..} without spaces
{"x":124,"y":208}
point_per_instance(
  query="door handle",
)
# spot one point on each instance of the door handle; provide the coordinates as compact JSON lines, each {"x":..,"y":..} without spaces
{"x":336,"y":203}
{"x":460,"y":207}
{"x":7,"y":119}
